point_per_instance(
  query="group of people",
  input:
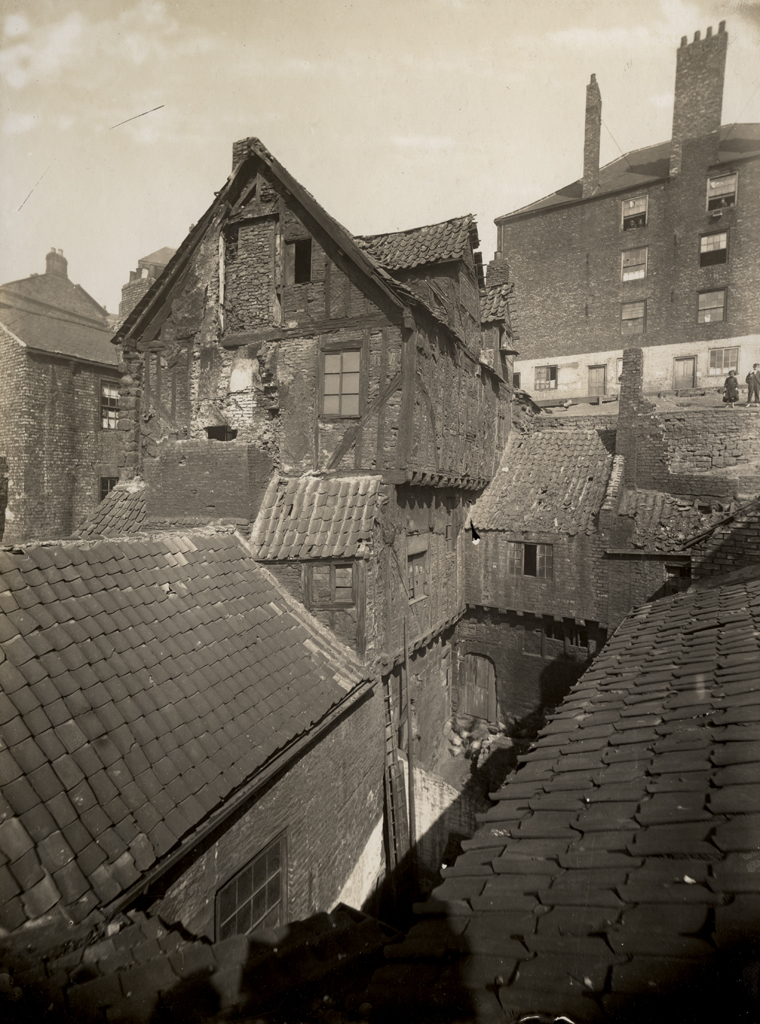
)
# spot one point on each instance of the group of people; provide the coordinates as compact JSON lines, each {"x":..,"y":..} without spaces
{"x":731,"y":387}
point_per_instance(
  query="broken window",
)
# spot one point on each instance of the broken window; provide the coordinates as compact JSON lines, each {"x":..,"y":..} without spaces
{"x":546,"y":378}
{"x":331,"y":585}
{"x":634,"y":264}
{"x":340,"y":382}
{"x":721,"y":191}
{"x":109,"y":405}
{"x":713,"y":249}
{"x":298,"y":261}
{"x":256,"y":896}
{"x":711,"y":307}
{"x":722,"y":360}
{"x":633,"y":317}
{"x":224,"y":433}
{"x":635,"y":212}
{"x":415,"y":575}
{"x":677,"y":578}
{"x":530,"y":560}
{"x":516,"y":380}
{"x":107,"y":484}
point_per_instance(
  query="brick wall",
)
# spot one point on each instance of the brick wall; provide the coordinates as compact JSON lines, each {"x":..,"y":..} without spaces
{"x":326,"y":804}
{"x":730,"y":546}
{"x":12,"y":429}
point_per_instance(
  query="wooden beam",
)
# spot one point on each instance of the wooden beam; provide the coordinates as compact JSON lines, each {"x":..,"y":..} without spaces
{"x":351,"y":433}
{"x":318,"y":327}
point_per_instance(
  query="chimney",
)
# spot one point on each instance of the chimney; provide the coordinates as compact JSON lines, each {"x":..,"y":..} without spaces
{"x":700,"y":67}
{"x":57,"y":263}
{"x":240,"y":151}
{"x":592,"y":139}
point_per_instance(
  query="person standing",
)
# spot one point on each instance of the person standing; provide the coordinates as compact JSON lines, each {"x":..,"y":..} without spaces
{"x":753,"y":385}
{"x":731,"y":389}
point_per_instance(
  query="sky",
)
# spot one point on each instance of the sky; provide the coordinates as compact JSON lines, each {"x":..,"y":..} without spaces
{"x":392,"y":113}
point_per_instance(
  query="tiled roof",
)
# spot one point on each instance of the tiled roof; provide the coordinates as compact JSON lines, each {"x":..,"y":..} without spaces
{"x":143,"y":682}
{"x":311,"y":517}
{"x":59,"y":336}
{"x":552,"y":480}
{"x":433,"y":243}
{"x":494,"y":303}
{"x":121,"y":512}
{"x":642,"y":166}
{"x":664,"y":522}
{"x":615,"y":876}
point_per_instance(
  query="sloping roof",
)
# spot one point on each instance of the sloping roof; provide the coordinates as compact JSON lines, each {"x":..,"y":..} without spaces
{"x":121,"y":512}
{"x":642,"y":166}
{"x":144,"y":682}
{"x":59,"y":336}
{"x":494,"y":303}
{"x":552,"y":480}
{"x":665,"y":522}
{"x":310,"y":517}
{"x":432,"y":243}
{"x":160,"y":257}
{"x":619,"y":862}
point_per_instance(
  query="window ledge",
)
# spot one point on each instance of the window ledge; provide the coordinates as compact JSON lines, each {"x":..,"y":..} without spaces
{"x":416,"y":600}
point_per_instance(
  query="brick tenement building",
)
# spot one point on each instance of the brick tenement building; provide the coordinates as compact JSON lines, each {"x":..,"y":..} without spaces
{"x":660,"y":248}
{"x":341,"y":396}
{"x":59,"y":403}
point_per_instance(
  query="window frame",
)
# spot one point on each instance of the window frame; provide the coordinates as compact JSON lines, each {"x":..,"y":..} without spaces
{"x":624,"y":320}
{"x":633,"y":199}
{"x":551,"y":383}
{"x":723,"y":370}
{"x":340,"y":349}
{"x":279,"y":841}
{"x":291,"y":266}
{"x":416,"y":558}
{"x":516,"y":376}
{"x":734,"y":194}
{"x":544,"y":559}
{"x":110,"y":482}
{"x":685,"y":359}
{"x":321,"y":604}
{"x":713,"y":263}
{"x":723,"y":307}
{"x":639,"y":277}
{"x":108,"y":382}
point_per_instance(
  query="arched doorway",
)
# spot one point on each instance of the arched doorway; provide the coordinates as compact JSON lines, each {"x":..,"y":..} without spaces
{"x":478,"y":687}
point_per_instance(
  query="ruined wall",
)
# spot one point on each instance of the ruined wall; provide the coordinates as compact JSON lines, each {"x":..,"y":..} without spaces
{"x":12,"y":431}
{"x":730,"y":546}
{"x":326,"y":804}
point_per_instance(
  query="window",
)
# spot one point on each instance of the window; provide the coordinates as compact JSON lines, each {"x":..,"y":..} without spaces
{"x":722,"y":360}
{"x":635,"y":212}
{"x":721,"y":192}
{"x":634,"y":265}
{"x":255,"y":897}
{"x":573,"y":634}
{"x":223,"y":433}
{"x":529,"y":560}
{"x":713,"y":249}
{"x":633,"y":317}
{"x":298,"y":261}
{"x":516,"y":380}
{"x":107,"y":484}
{"x":340,"y":390}
{"x":332,"y":585}
{"x":711,"y":307}
{"x":109,"y":405}
{"x":451,"y":537}
{"x":597,"y":380}
{"x":231,"y":243}
{"x":677,"y":578}
{"x":546,"y":378}
{"x":415,"y":575}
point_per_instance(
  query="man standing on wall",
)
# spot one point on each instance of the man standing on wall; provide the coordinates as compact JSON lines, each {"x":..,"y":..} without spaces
{"x":753,"y":385}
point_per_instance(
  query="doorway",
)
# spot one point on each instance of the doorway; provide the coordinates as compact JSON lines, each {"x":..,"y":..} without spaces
{"x":478,"y":687}
{"x":684,"y":373}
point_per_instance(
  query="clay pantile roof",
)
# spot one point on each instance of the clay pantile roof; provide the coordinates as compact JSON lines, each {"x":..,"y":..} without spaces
{"x":617,"y":867}
{"x":494,"y":303}
{"x":58,"y":335}
{"x":665,"y":522}
{"x":433,"y":243}
{"x":311,"y":517}
{"x":640,"y":167}
{"x":121,"y":512}
{"x":168,"y":665}
{"x":553,"y":480}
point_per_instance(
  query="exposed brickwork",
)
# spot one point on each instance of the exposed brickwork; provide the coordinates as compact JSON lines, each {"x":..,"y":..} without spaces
{"x":733,"y":544}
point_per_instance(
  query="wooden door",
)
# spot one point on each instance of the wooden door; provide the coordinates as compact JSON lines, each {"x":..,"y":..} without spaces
{"x":597,"y":380}
{"x":478,"y":689}
{"x":683,"y":376}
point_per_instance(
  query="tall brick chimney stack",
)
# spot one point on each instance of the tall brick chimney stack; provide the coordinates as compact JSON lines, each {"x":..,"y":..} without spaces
{"x":592,"y":138}
{"x":56,"y":263}
{"x":700,"y":67}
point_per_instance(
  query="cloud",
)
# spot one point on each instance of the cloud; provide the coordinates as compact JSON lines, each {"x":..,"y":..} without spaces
{"x":15,"y":25}
{"x":18,"y":124}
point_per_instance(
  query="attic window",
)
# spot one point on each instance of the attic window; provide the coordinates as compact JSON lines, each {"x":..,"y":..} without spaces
{"x":635,"y":212}
{"x":331,"y":585}
{"x":107,"y":484}
{"x":224,"y":433}
{"x":530,"y":560}
{"x":298,"y":261}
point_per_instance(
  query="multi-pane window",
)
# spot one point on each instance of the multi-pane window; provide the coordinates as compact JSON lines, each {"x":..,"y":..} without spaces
{"x":546,"y":378}
{"x":107,"y":484}
{"x":713,"y":249}
{"x":298,"y":261}
{"x":109,"y":405}
{"x":711,"y":307}
{"x":721,"y":191}
{"x":633,"y":317}
{"x":332,"y":586}
{"x":529,"y":560}
{"x":722,"y":360}
{"x":340,"y":387}
{"x":255,"y":897}
{"x":415,"y":575}
{"x":634,"y":265}
{"x":634,"y":212}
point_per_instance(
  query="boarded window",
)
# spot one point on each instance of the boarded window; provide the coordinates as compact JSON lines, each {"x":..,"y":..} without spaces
{"x":713,"y":249}
{"x":711,"y":307}
{"x":255,"y":897}
{"x":546,"y":378}
{"x":597,"y":380}
{"x":722,"y":360}
{"x":298,"y":261}
{"x":341,"y":383}
{"x":721,"y":191}
{"x":635,"y":212}
{"x":634,"y":264}
{"x":109,"y":405}
{"x":633,"y":317}
{"x":477,"y":691}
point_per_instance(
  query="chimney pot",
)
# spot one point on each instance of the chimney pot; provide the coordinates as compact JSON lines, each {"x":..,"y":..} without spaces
{"x":721,"y":26}
{"x":684,"y":41}
{"x":56,"y":263}
{"x":696,"y":36}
